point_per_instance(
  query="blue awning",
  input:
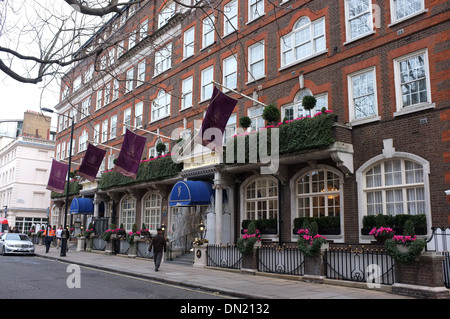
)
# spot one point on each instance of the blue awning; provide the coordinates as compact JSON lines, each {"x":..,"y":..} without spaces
{"x":190,"y":193}
{"x":82,"y":206}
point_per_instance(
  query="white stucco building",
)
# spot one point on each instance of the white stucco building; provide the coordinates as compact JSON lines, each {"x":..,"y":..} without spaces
{"x":25,"y":164}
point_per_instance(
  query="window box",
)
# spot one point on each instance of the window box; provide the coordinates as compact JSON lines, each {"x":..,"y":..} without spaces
{"x":265,"y":226}
{"x":328,"y":225}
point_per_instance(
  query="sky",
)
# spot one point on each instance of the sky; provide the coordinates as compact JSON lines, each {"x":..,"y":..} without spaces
{"x":16,"y":98}
{"x":18,"y":31}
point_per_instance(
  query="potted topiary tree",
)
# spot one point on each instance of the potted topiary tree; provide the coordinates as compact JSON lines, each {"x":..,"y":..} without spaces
{"x":271,"y":114}
{"x":160,"y":148}
{"x":245,"y":122}
{"x":309,"y":103}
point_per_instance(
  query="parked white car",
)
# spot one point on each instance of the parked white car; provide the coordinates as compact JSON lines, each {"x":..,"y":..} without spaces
{"x":16,"y":243}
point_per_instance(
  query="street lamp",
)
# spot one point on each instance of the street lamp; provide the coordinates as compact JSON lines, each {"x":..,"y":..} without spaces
{"x":65,"y":234}
{"x":201,"y":228}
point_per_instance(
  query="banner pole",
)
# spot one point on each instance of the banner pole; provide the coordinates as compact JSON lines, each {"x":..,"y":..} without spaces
{"x":243,"y":95}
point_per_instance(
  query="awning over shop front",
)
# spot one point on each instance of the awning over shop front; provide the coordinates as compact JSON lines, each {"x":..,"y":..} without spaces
{"x":82,"y":206}
{"x":190,"y":193}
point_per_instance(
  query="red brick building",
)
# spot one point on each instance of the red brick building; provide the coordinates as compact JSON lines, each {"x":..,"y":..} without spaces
{"x":380,"y":66}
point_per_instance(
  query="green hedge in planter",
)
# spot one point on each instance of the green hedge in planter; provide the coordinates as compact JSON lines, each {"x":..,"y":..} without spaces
{"x":261,"y":224}
{"x":150,"y":170}
{"x":328,"y":225}
{"x":74,"y":189}
{"x":396,"y":222}
{"x":298,"y":135}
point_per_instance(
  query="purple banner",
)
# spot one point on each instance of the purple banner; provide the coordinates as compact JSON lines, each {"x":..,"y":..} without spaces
{"x":130,"y":154}
{"x":217,"y":115}
{"x":91,"y":162}
{"x":57,"y":178}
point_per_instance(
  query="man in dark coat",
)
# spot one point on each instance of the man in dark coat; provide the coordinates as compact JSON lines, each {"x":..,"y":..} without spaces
{"x":158,"y":244}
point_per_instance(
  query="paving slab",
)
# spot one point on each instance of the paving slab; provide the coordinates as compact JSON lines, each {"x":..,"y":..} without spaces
{"x":234,"y":283}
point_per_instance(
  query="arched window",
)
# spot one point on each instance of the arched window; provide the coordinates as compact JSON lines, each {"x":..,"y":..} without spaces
{"x":394,"y":186}
{"x":261,"y":199}
{"x":318,"y":194}
{"x":128,"y":213}
{"x":394,"y":183}
{"x":296,"y":110}
{"x":306,"y":40}
{"x":152,"y":211}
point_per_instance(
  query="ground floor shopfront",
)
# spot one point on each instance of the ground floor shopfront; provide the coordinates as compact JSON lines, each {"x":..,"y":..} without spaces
{"x":342,"y":185}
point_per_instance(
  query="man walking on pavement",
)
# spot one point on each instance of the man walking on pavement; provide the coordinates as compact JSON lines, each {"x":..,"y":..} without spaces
{"x":48,"y":233}
{"x":158,"y":244}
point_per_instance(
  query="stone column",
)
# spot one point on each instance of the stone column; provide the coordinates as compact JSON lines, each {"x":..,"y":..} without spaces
{"x":219,"y":213}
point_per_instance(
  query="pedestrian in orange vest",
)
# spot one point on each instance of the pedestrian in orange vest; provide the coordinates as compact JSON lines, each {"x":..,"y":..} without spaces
{"x":48,"y":233}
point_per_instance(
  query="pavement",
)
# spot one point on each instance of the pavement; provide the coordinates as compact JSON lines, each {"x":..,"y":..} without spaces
{"x":223,"y":281}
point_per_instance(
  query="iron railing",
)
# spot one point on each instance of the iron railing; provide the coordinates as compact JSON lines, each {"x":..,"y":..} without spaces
{"x":439,"y":242}
{"x":281,"y":260}
{"x":224,"y":256}
{"x":358,"y":263}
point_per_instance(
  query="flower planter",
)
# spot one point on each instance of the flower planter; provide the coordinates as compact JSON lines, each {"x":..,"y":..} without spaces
{"x":250,"y":261}
{"x":200,"y":256}
{"x":81,"y":243}
{"x":109,"y":249}
{"x":325,"y":231}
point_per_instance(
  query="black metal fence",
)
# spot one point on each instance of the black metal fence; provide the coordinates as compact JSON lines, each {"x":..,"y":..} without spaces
{"x":224,"y":256}
{"x":358,"y":263}
{"x":281,"y":260}
{"x":440,"y":242}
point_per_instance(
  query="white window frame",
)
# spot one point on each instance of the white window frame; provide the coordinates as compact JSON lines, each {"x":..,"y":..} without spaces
{"x":113,"y":127}
{"x":398,"y":87}
{"x":116,"y":87}
{"x":105,"y":130}
{"x":289,"y":45}
{"x":85,"y":106}
{"x":166,"y":13}
{"x":97,"y":133}
{"x":255,"y":115}
{"x":99,"y":99}
{"x":388,"y":154}
{"x":351,"y":91}
{"x":126,"y":120}
{"x":143,"y":29}
{"x":141,"y":73}
{"x":256,"y":213}
{"x":161,"y":106}
{"x":297,"y":108}
{"x":208,"y":31}
{"x":255,"y":61}
{"x":188,"y":43}
{"x":129,"y":80}
{"x":394,"y":11}
{"x":230,"y":128}
{"x":107,"y":97}
{"x":369,"y":24}
{"x":163,"y":59}
{"x":187,"y":93}
{"x":230,"y":72}
{"x":151,"y":211}
{"x":83,"y":141}
{"x":128,"y":212}
{"x":138,"y":114}
{"x":207,"y":76}
{"x":63,"y":150}
{"x":230,"y":17}
{"x":254,"y":8}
